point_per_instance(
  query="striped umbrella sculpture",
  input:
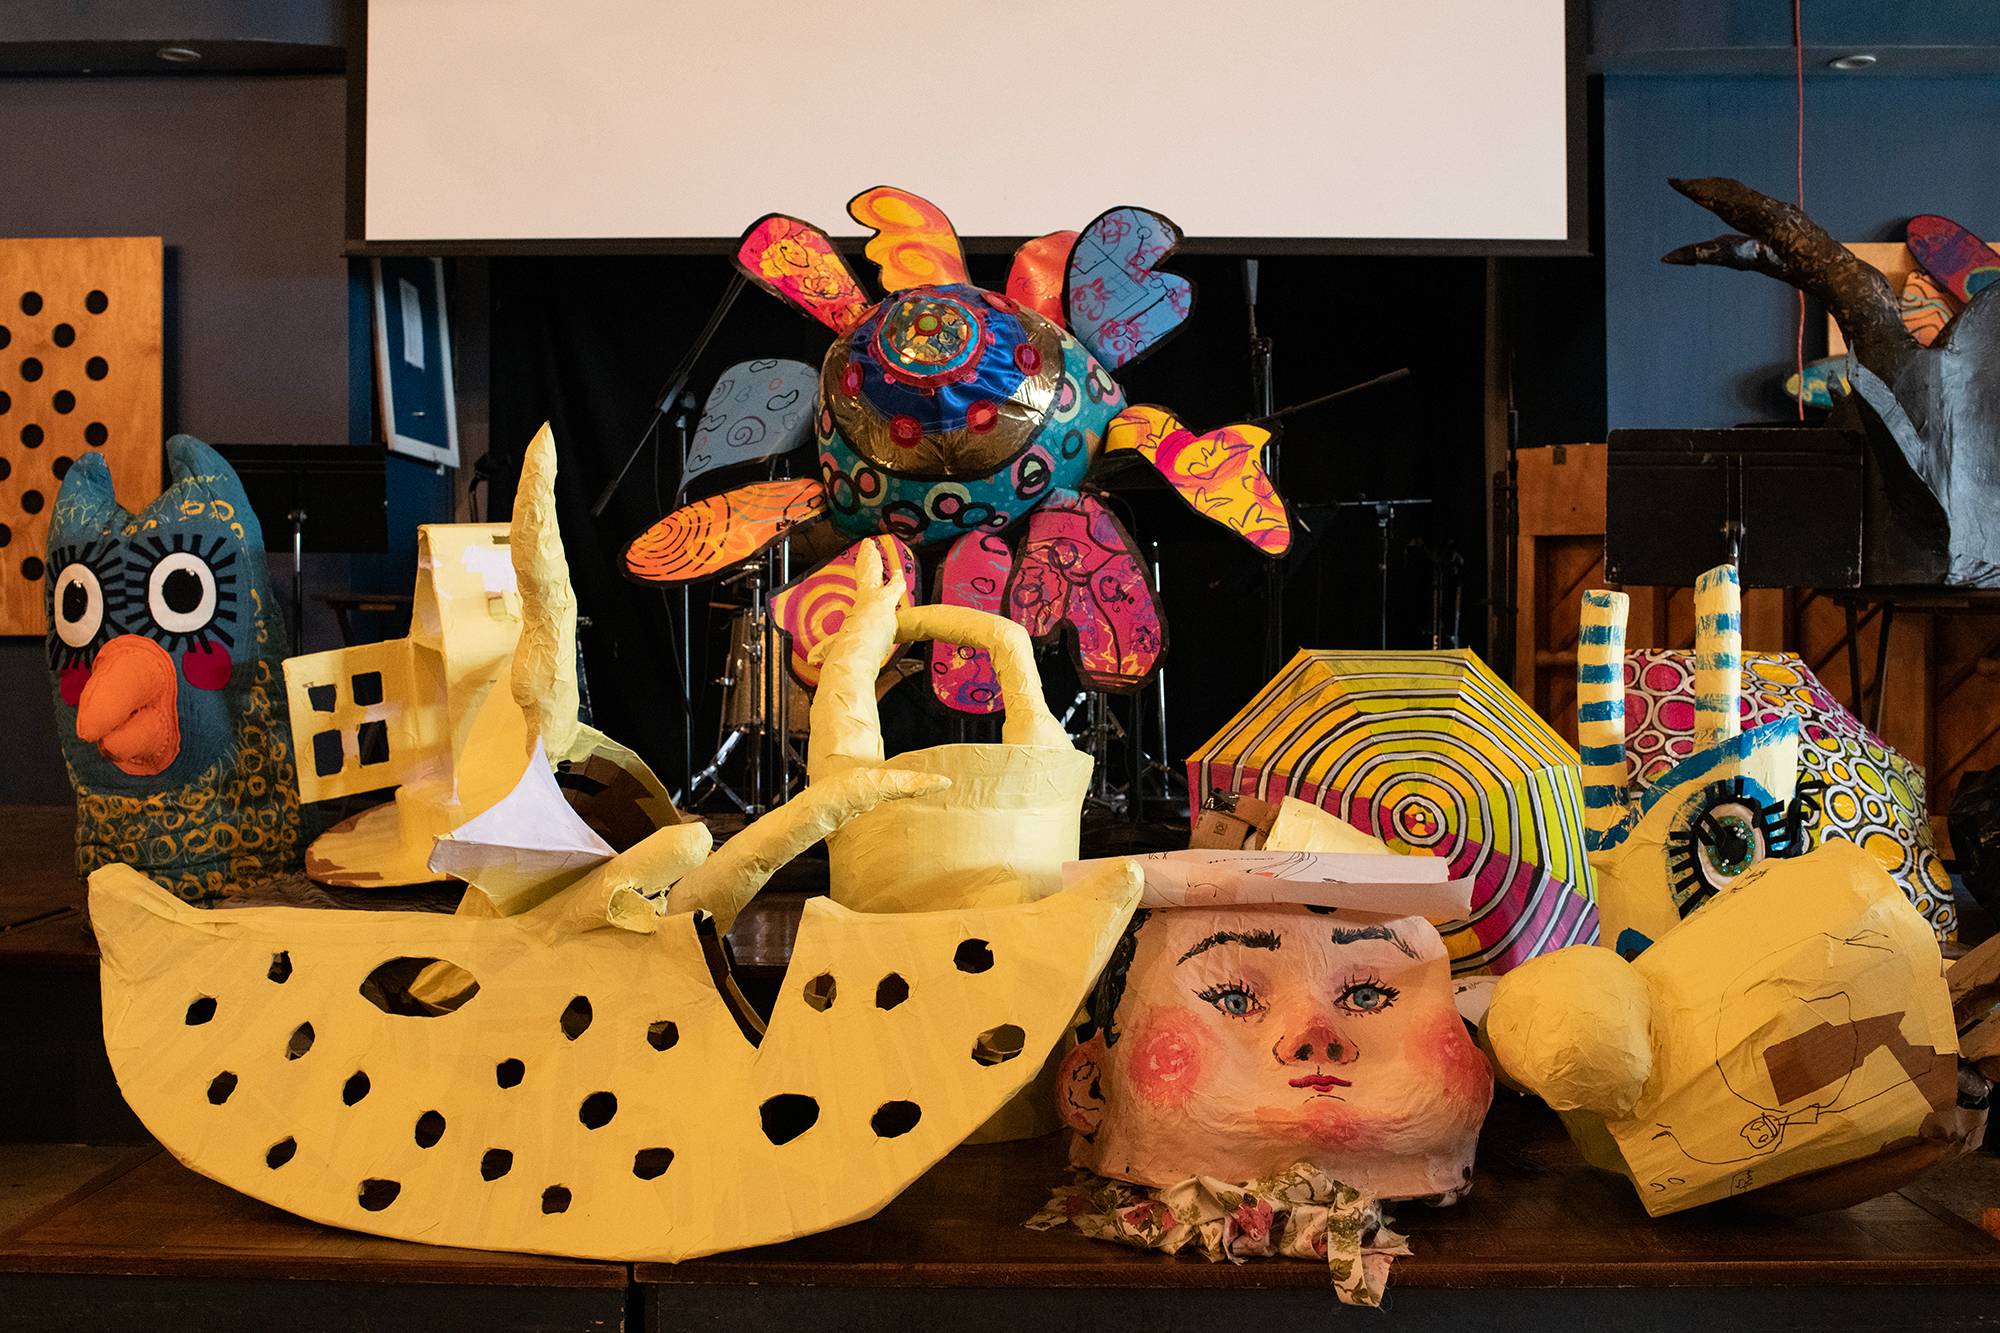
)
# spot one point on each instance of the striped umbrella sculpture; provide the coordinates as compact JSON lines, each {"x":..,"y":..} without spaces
{"x":1432,"y":753}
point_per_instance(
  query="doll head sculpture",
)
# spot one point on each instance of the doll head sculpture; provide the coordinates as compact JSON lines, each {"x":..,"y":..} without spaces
{"x":163,"y":652}
{"x":1233,"y":1043}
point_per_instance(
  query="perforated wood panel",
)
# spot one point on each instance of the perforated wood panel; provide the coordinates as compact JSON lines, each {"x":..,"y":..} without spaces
{"x":80,"y":367}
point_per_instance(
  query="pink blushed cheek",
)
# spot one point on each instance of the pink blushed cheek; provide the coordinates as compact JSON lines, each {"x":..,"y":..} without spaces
{"x":1166,"y":1059}
{"x":70,"y":684}
{"x":1460,"y":1071}
{"x":206,"y":668}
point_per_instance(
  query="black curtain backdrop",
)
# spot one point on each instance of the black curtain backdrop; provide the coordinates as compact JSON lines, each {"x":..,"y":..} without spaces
{"x":585,"y":343}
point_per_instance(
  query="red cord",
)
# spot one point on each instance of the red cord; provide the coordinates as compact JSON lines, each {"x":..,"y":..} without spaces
{"x":1799,"y":82}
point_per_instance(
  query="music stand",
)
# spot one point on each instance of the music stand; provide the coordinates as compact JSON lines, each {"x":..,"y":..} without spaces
{"x":330,"y":497}
{"x":1385,"y":524}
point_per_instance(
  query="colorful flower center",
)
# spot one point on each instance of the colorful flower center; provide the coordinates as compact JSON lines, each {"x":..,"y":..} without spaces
{"x":925,"y":333}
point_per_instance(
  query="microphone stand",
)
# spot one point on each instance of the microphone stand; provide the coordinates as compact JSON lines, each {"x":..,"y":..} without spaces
{"x":1263,"y":393}
{"x":673,"y":395}
{"x":671,"y":390}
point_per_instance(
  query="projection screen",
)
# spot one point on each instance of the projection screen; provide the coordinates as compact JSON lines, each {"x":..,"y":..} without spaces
{"x":536,"y":125}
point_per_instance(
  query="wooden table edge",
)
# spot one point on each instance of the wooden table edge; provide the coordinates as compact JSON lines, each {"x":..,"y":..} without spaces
{"x":1287,"y":1274}
{"x":578,"y":1274}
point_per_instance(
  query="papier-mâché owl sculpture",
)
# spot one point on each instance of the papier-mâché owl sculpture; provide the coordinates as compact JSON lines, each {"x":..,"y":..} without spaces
{"x":163,"y":644}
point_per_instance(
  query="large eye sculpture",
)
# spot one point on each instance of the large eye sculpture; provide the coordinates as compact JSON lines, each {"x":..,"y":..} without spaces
{"x":188,"y":592}
{"x":1728,"y":827}
{"x":80,"y":611}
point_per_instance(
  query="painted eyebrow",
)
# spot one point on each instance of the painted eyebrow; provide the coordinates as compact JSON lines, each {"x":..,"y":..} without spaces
{"x":1249,"y":939}
{"x":1343,"y":935}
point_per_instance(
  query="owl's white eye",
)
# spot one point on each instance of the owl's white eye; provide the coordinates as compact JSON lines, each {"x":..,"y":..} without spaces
{"x":78,"y":605}
{"x":181,"y":594}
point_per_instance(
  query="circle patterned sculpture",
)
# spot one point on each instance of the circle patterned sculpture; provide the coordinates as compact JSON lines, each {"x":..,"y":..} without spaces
{"x":950,"y":415}
{"x":1874,"y":796}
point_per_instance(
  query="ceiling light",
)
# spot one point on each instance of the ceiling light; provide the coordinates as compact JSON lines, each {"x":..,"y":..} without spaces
{"x":1860,"y":60}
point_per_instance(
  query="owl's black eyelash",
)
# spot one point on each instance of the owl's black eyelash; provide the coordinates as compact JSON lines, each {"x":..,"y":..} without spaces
{"x":221,"y":562}
{"x":102,"y":559}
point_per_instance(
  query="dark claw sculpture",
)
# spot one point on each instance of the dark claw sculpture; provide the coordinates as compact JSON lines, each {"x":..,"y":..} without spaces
{"x":1933,"y":413}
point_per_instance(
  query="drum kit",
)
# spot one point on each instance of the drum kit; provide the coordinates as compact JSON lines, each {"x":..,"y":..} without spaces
{"x":764,"y":717}
{"x":764,"y":712}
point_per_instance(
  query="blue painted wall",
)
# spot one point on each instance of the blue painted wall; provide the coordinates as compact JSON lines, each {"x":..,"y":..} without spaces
{"x":1699,"y":347}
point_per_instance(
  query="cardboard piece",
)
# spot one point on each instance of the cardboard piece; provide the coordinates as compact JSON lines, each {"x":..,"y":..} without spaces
{"x":577,"y":1090}
{"x":1232,"y":823}
{"x":1220,"y":473}
{"x":163,"y":648}
{"x":973,"y":573}
{"x":1798,"y":1023}
{"x":710,"y":535}
{"x":449,"y":714}
{"x":81,"y":379}
{"x":810,"y":609}
{"x":1235,"y":1043}
{"x":1121,"y":303}
{"x":1288,"y":824}
{"x":1368,"y":882}
{"x":1079,"y":576}
{"x":1428,"y":752}
{"x":914,"y":243}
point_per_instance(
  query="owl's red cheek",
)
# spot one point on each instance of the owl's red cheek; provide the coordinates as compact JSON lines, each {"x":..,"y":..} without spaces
{"x":70,"y":683}
{"x":206,"y":668}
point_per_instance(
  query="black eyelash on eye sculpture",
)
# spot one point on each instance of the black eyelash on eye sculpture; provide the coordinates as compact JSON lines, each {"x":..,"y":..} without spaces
{"x":102,"y":558}
{"x":221,"y":562}
{"x":1801,"y":815}
{"x":1780,"y":831}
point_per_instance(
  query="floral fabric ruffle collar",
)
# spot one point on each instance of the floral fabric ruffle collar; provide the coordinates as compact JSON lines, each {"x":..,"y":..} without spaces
{"x":1299,"y":1213}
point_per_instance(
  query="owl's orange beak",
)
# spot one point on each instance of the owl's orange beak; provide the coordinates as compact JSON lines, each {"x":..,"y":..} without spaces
{"x":129,"y":709}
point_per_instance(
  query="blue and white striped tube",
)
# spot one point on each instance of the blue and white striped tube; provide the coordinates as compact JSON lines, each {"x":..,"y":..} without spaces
{"x":1718,"y":656}
{"x":1600,"y":710}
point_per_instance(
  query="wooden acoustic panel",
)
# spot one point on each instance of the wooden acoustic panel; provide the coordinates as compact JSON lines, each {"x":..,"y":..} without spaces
{"x":80,"y":370}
